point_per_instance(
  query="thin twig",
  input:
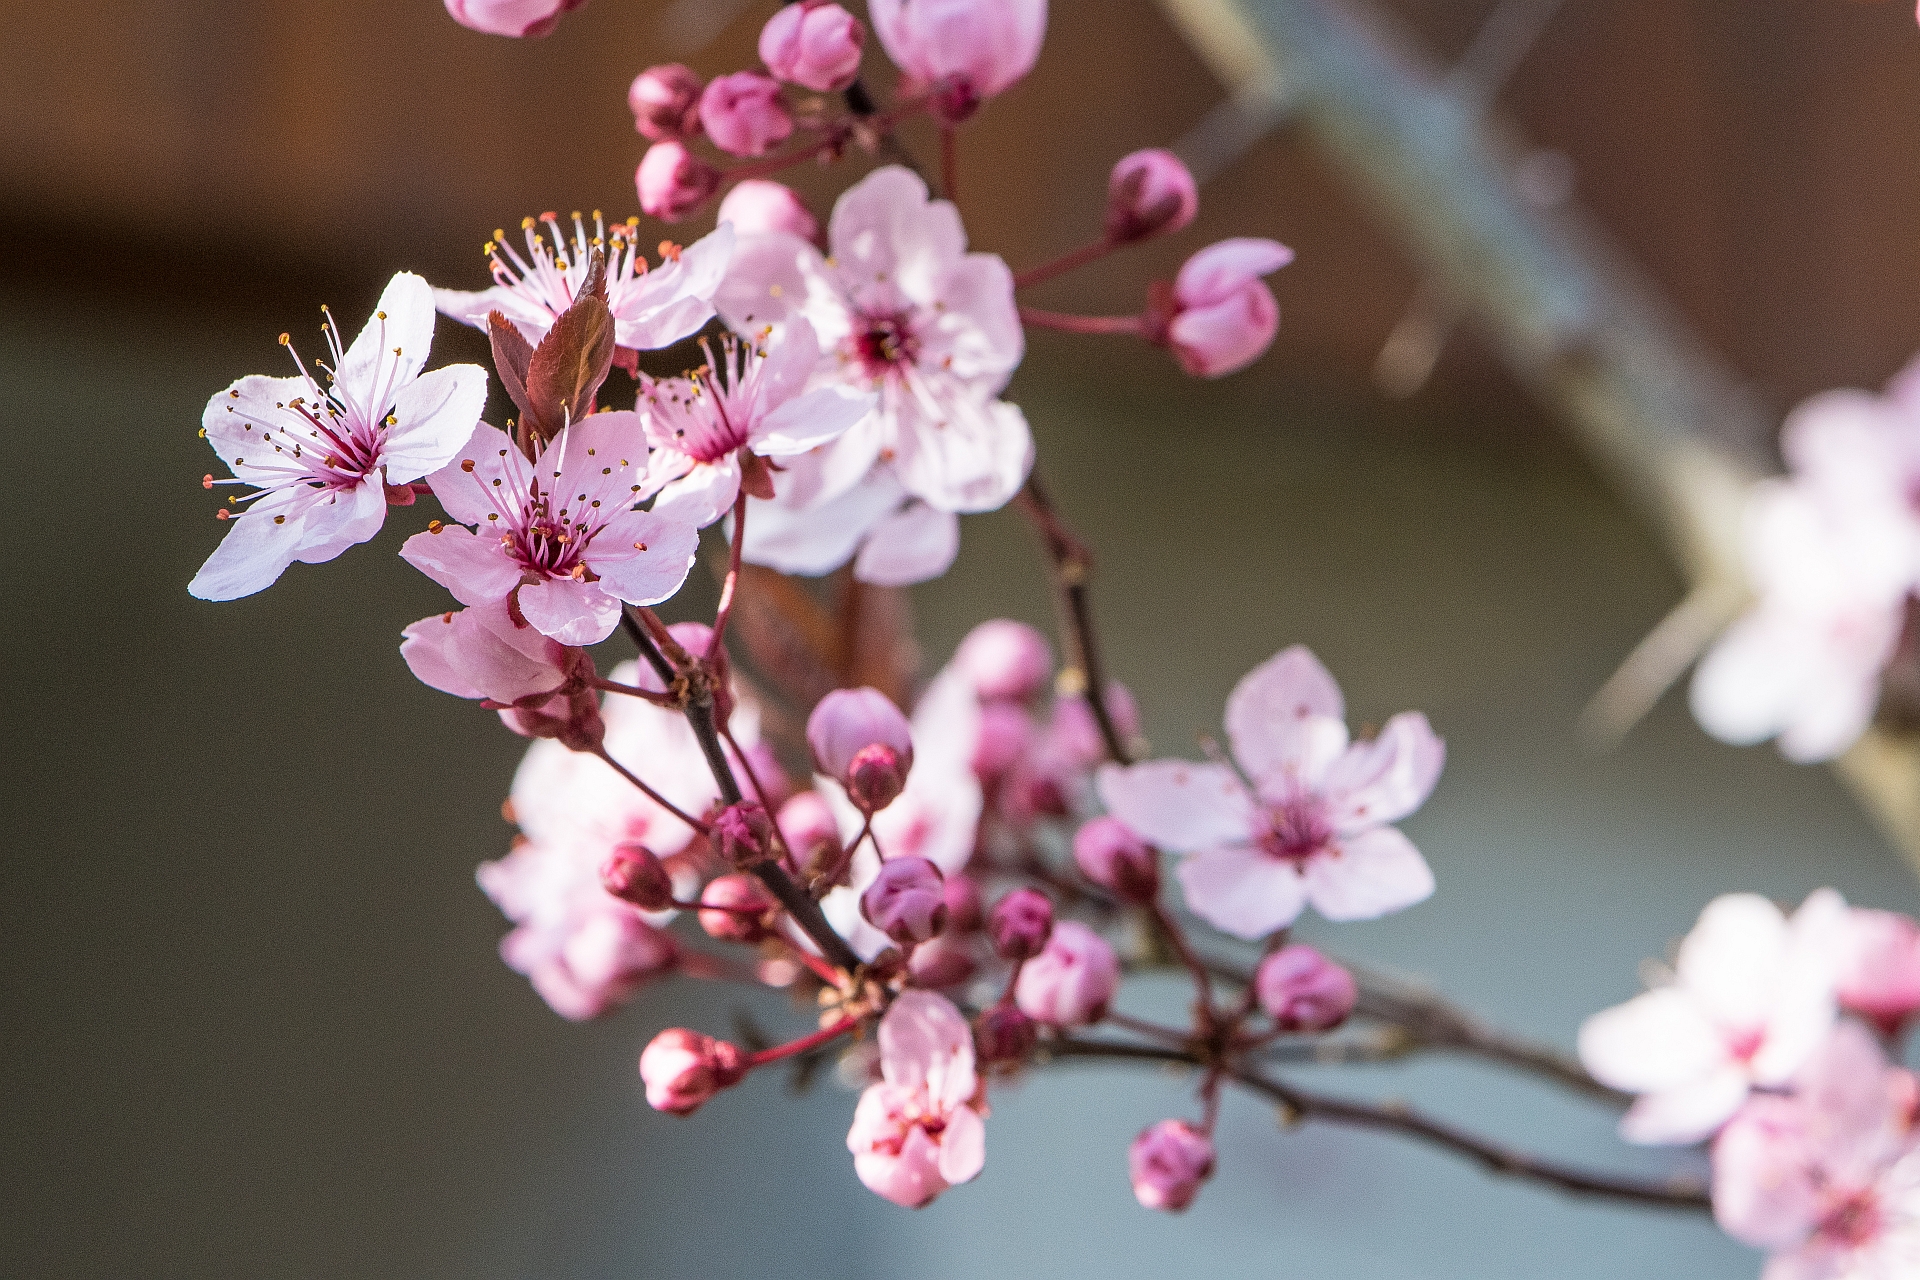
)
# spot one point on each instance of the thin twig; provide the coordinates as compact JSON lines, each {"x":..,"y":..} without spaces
{"x":649,"y":792}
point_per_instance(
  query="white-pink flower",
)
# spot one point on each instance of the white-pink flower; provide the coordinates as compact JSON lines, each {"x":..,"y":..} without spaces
{"x":1223,"y":315}
{"x":322,"y":453}
{"x":482,"y":653}
{"x":893,"y":539}
{"x":904,"y":311}
{"x":558,"y":536}
{"x":918,"y":1131}
{"x":964,"y":50}
{"x":1751,"y":999}
{"x":651,"y":308}
{"x":752,"y":400}
{"x":1314,"y":828}
{"x":1827,"y":1177}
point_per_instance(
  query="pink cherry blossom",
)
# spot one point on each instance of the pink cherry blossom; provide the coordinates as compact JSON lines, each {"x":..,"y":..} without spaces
{"x":1071,"y":981}
{"x":919,"y":1130}
{"x":860,"y":740}
{"x":1167,"y":1164}
{"x":683,"y":1069}
{"x":482,"y":653}
{"x":1827,"y":1177}
{"x":894,"y":540}
{"x":964,"y":50}
{"x":754,"y":400}
{"x":1005,"y":659}
{"x":558,"y":536}
{"x":322,"y":453}
{"x":1314,"y":828}
{"x":1302,"y":990}
{"x":757,"y":206}
{"x":1879,"y":967}
{"x":814,"y":45}
{"x":906,"y":901}
{"x":665,"y":102}
{"x":904,"y":311}
{"x":1149,"y":193}
{"x":743,"y":115}
{"x":1113,"y":857}
{"x":519,"y":18}
{"x":1751,"y":999}
{"x":1223,"y":315}
{"x":651,"y":308}
{"x":672,"y":182}
{"x":1020,"y":924}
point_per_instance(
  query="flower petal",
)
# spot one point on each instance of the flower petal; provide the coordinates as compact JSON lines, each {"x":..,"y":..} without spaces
{"x":576,"y":613}
{"x":498,"y":472}
{"x":388,"y":353}
{"x":925,"y":1042}
{"x":765,"y":282}
{"x":1659,"y":1040}
{"x":649,"y":576}
{"x":912,"y":544}
{"x":1367,"y":876}
{"x":1732,"y":960}
{"x":1270,"y":709}
{"x":673,"y":302}
{"x":1379,"y":782}
{"x":1179,"y":805}
{"x":963,"y":1146}
{"x":1242,"y":891}
{"x":813,"y":540}
{"x":702,"y":495}
{"x":961,"y":452}
{"x":474,"y":568}
{"x":811,"y":420}
{"x":1687,"y":1114}
{"x":259,"y":544}
{"x":433,"y":417}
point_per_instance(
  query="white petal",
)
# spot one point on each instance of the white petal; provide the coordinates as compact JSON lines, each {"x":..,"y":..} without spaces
{"x":1271,"y":709}
{"x":1659,"y":1040}
{"x":371,"y":372}
{"x":913,"y":544}
{"x":1178,"y":805}
{"x":434,"y":417}
{"x":1241,"y":890}
{"x":1687,"y":1114}
{"x":1366,"y":876}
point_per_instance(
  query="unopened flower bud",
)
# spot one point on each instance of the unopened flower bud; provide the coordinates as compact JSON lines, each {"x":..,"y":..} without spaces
{"x":1005,"y":659}
{"x":683,"y":1068}
{"x":1302,"y":990}
{"x":1004,"y":735}
{"x":672,"y":182}
{"x":1070,"y":982}
{"x":860,"y":738}
{"x":518,"y":18}
{"x":1879,"y":967}
{"x":666,"y":102}
{"x":1220,"y":316}
{"x":757,"y":206}
{"x":1108,"y":853}
{"x":1167,"y":1164}
{"x":1004,"y":1034}
{"x":814,"y":45}
{"x":812,"y":835}
{"x":944,"y":962}
{"x":1020,"y":924}
{"x":743,"y":834}
{"x":1150,"y":193}
{"x":572,"y":717}
{"x":906,"y":901}
{"x":735,"y":909}
{"x":963,"y":903}
{"x":967,"y":52}
{"x":743,"y":115}
{"x":633,"y":873}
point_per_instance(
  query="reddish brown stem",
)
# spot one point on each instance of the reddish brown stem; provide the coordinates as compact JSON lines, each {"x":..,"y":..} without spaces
{"x":1067,"y":322}
{"x":732,"y":583}
{"x":804,"y":1043}
{"x":649,"y":792}
{"x":1064,"y":263}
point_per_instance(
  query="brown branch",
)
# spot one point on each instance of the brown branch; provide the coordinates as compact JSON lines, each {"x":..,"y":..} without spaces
{"x":1303,"y":1105}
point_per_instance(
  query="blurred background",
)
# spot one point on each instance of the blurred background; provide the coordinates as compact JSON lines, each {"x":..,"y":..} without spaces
{"x":254,"y":1022}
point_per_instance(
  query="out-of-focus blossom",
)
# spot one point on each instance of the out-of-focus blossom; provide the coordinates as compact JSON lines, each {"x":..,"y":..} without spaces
{"x":1879,"y":967}
{"x":1316,"y":826}
{"x":683,"y":1068}
{"x":1071,"y":981}
{"x":758,"y":206}
{"x":672,"y":182}
{"x":1020,"y":924}
{"x":322,"y":458}
{"x":1827,"y":1178}
{"x":1149,"y":193}
{"x":665,"y":101}
{"x":962,"y":895}
{"x":902,"y":310}
{"x":1004,"y":1034}
{"x":651,"y":308}
{"x":559,"y":539}
{"x":918,"y":1132}
{"x":735,"y":908}
{"x":711,"y":430}
{"x":743,"y":115}
{"x":1752,"y":999}
{"x":906,"y":901}
{"x":963,"y":51}
{"x":1220,"y":316}
{"x":519,"y":18}
{"x":1834,"y":553}
{"x":1108,"y":853}
{"x":814,"y":45}
{"x":860,"y":740}
{"x":742,"y":834}
{"x":1167,"y":1164}
{"x":636,"y":875}
{"x":1005,"y":660}
{"x":944,"y":962}
{"x":894,"y":540}
{"x":1302,"y":990}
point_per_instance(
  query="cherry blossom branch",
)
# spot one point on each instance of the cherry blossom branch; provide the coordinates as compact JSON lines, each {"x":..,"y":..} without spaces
{"x":1067,"y":322}
{"x":649,"y":792}
{"x":732,"y":583}
{"x":1064,"y":263}
{"x":1392,"y":1117}
{"x":825,"y":1035}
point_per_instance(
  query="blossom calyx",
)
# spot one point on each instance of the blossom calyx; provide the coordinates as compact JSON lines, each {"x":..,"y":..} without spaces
{"x":906,"y":901}
{"x":1108,"y":853}
{"x":814,"y":45}
{"x":666,"y":102}
{"x":743,"y":834}
{"x":860,"y":739}
{"x":1167,"y":1163}
{"x":736,"y":908}
{"x":1150,"y":193}
{"x":672,"y":182}
{"x":634,"y":873}
{"x":1020,"y":924}
{"x":683,"y":1068}
{"x":1302,"y":990}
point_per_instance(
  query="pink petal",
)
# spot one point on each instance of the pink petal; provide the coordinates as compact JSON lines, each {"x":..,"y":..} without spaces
{"x":370,"y":373}
{"x":791,"y":357}
{"x":1242,"y":891}
{"x":433,"y":417}
{"x":1732,"y":961}
{"x":1270,"y":707}
{"x":231,"y":417}
{"x":576,"y":613}
{"x":342,"y":519}
{"x":1177,"y":805}
{"x":913,"y":544}
{"x":811,"y":420}
{"x":1220,"y":270}
{"x":925,"y":1042}
{"x":643,"y":577}
{"x":910,"y":1179}
{"x":764,"y":283}
{"x":474,"y":568}
{"x":256,"y":550}
{"x":1659,"y":1040}
{"x":470,"y":496}
{"x":1686,"y":1114}
{"x":962,"y":453}
{"x":429,"y":648}
{"x":1378,"y":782}
{"x":886,"y":224}
{"x":1366,"y":876}
{"x":1226,"y":336}
{"x":673,"y":302}
{"x":700,"y":496}
{"x":963,"y":1146}
{"x":1764,"y":1193}
{"x":814,"y":540}
{"x":976,"y":333}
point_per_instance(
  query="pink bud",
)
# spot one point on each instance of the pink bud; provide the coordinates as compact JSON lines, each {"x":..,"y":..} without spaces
{"x":775,"y":786}
{"x":965,"y":50}
{"x":1020,"y":924}
{"x":1113,"y":857}
{"x":743,"y":834}
{"x":757,"y":206}
{"x":510,"y":17}
{"x":1223,"y":315}
{"x":743,"y":115}
{"x":736,"y":910}
{"x":1879,"y":966}
{"x":812,"y":835}
{"x":1005,"y":659}
{"x":813,"y":45}
{"x":1302,"y":990}
{"x":1005,"y":734}
{"x":906,"y":901}
{"x":1077,"y":734}
{"x":1070,"y":982}
{"x":666,"y":102}
{"x":683,"y":1069}
{"x":861,"y":739}
{"x":946,"y":961}
{"x":672,"y":182}
{"x":1167,"y":1163}
{"x":963,"y":903}
{"x":634,"y":874}
{"x":1004,"y":1034}
{"x":1150,"y":193}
